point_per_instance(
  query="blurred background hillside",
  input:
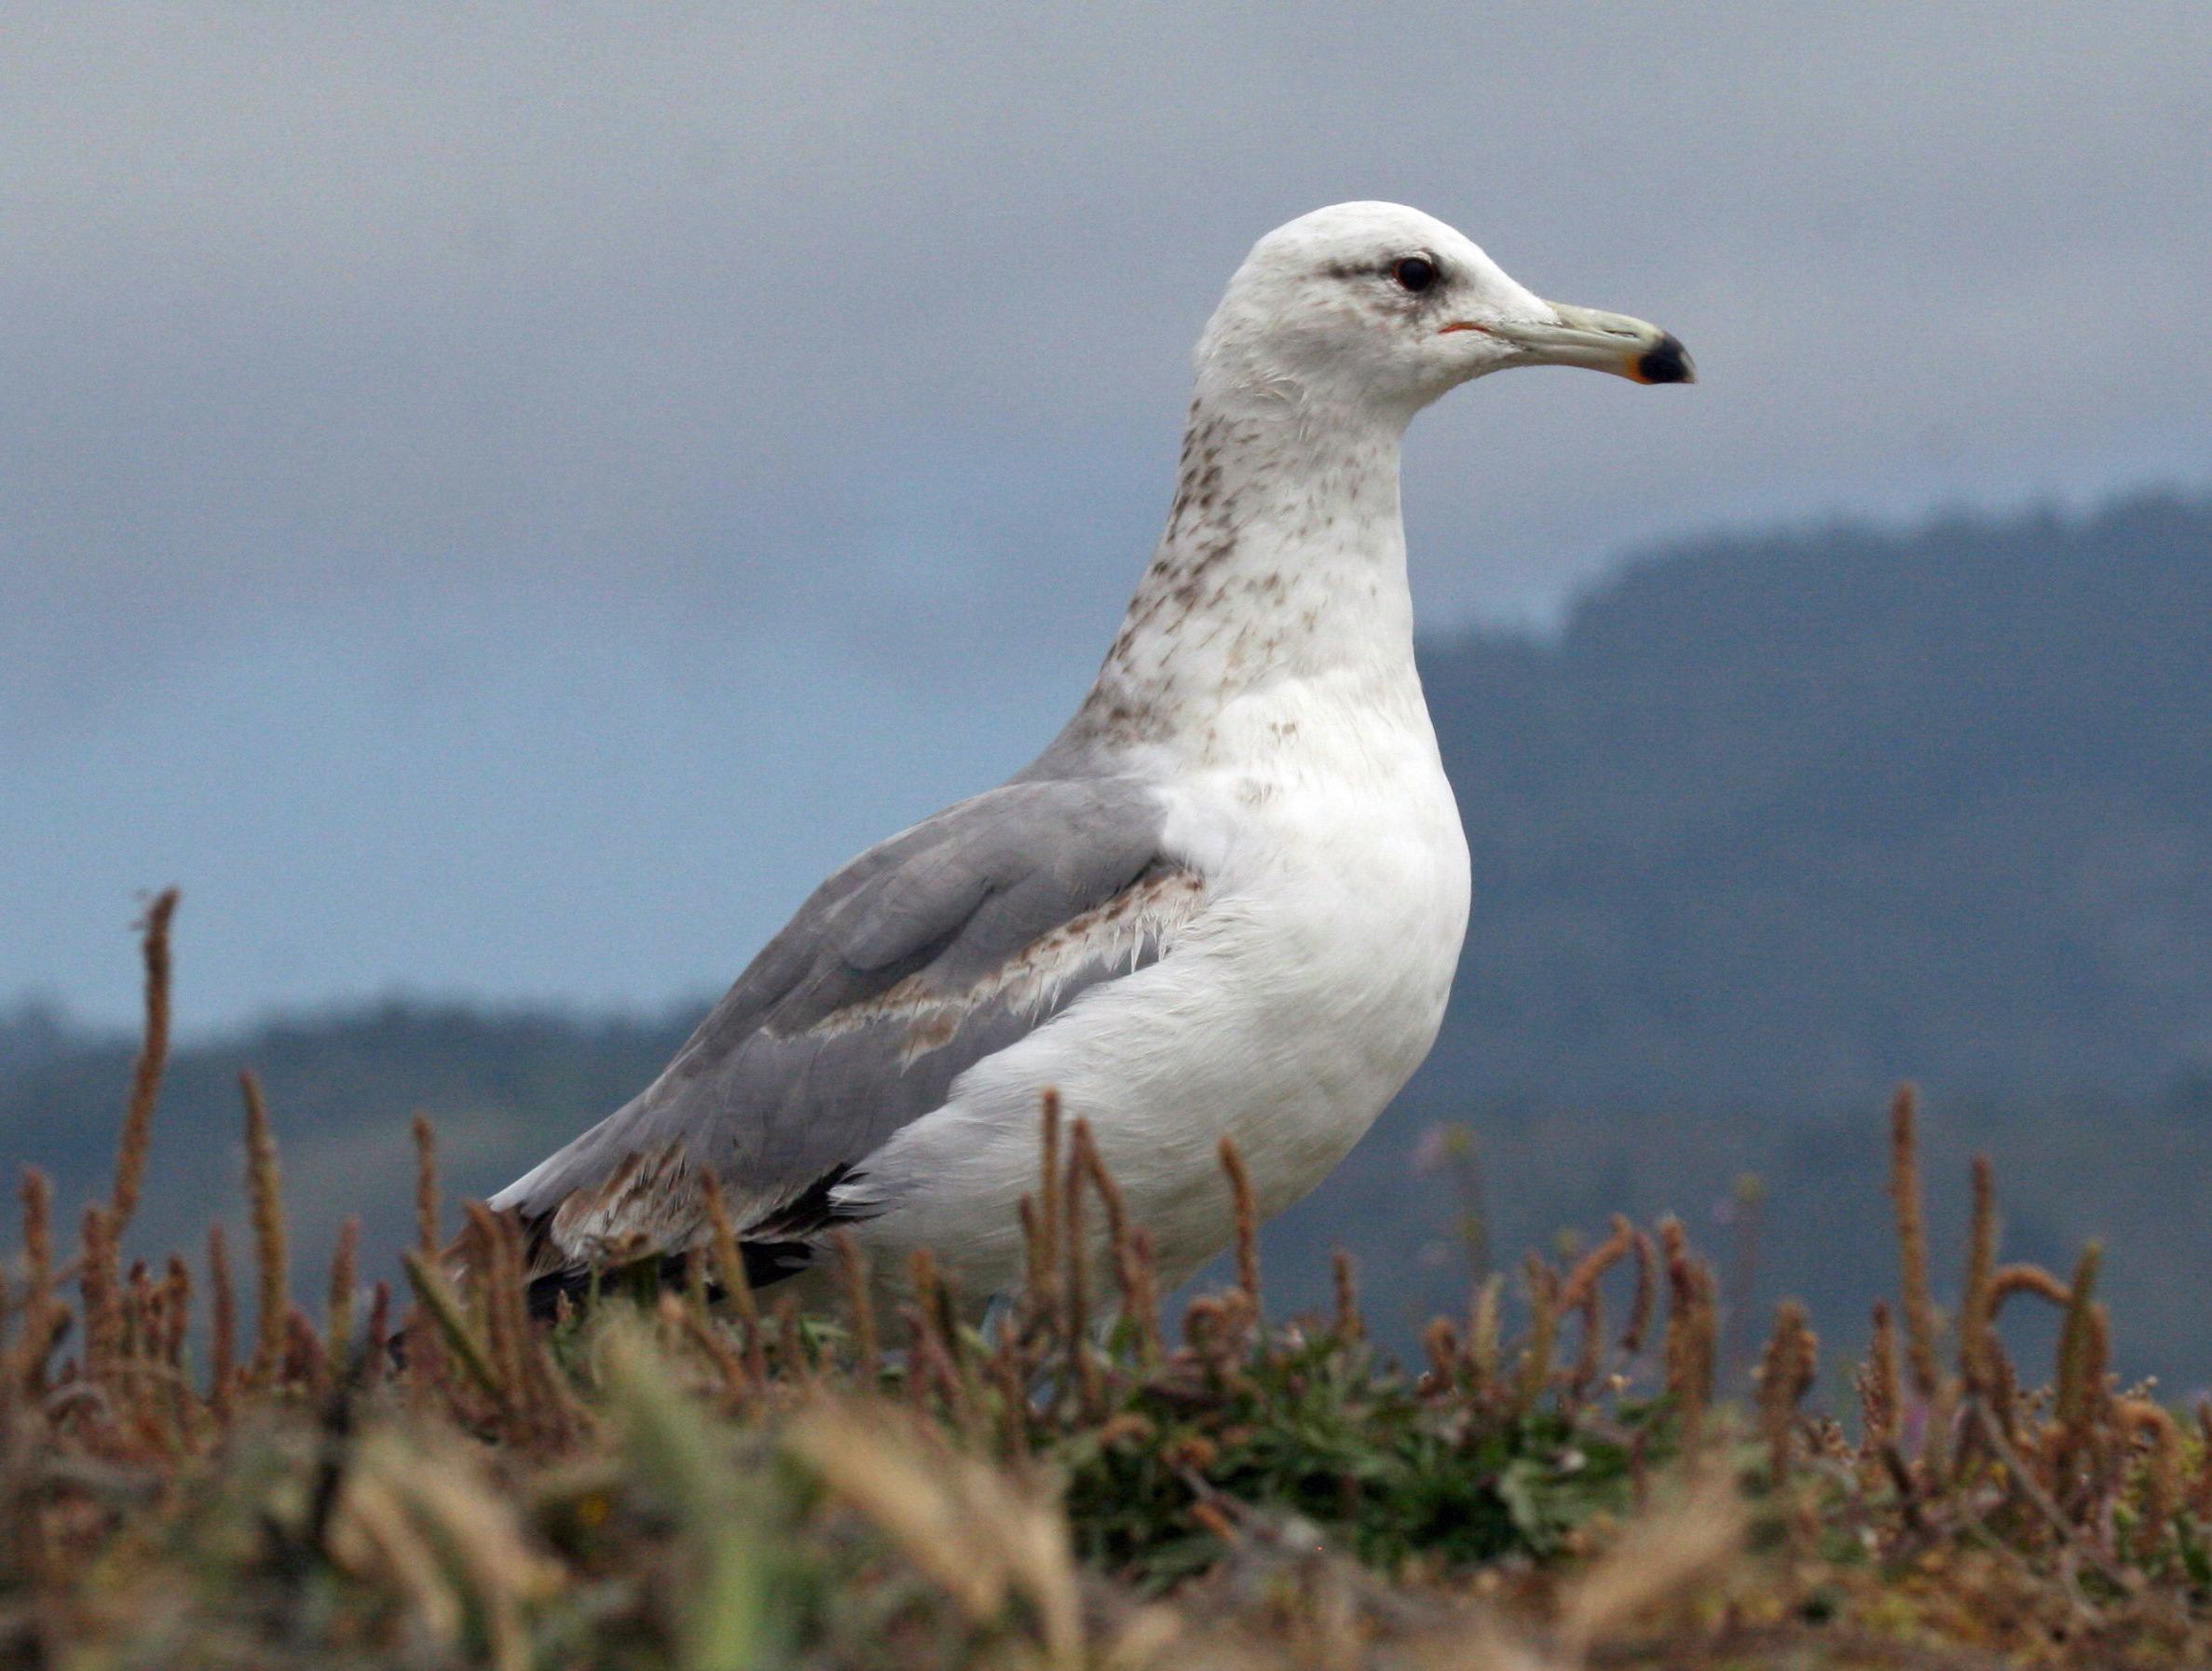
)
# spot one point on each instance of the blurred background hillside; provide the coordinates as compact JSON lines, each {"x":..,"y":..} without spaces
{"x":1771,"y":824}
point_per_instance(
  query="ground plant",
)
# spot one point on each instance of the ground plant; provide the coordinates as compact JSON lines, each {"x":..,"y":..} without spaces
{"x":198,"y":1468}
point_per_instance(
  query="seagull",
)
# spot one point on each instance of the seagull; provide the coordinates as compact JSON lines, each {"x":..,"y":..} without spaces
{"x":1226,"y":901}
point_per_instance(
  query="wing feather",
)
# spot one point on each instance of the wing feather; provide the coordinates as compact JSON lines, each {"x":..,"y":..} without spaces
{"x":928,"y":953}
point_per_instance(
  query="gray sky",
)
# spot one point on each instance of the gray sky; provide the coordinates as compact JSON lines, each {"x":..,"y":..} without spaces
{"x":498,"y":498}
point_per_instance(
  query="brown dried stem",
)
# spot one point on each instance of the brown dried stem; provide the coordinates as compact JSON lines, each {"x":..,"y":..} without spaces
{"x":1976,"y":1310}
{"x":97,"y":1285}
{"x":852,"y":1276}
{"x":222,"y":1325}
{"x":1785,"y":1376}
{"x":1348,"y":1326}
{"x":444,"y":1308}
{"x":136,"y":1139}
{"x":265,"y":1198}
{"x":1644,"y":1298}
{"x":344,"y":1277}
{"x":425,"y":1186}
{"x":1248,"y":1221}
{"x":27,"y":1372}
{"x":1880,"y":1396}
{"x":729,"y":1270}
{"x":1912,"y":1239}
{"x":1048,"y":1298}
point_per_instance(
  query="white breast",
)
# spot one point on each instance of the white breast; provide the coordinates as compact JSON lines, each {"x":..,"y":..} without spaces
{"x":1291,"y":1009}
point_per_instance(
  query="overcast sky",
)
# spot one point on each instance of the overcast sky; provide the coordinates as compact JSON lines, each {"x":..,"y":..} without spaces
{"x":496,"y":499}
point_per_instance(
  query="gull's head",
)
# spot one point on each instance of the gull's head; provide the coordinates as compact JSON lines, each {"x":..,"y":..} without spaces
{"x":1385,"y":306}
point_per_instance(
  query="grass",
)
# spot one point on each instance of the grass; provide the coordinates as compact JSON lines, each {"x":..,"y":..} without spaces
{"x":705,"y":1479}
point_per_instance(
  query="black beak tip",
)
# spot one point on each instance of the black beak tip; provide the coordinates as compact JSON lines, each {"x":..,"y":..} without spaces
{"x":1667,"y":362}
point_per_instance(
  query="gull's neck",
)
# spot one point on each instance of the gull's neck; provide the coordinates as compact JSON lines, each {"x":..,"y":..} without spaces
{"x":1283,"y":559}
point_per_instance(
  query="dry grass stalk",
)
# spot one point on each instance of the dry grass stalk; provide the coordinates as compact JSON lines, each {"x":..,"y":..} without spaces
{"x":1212,"y":1330}
{"x":550,"y":1411}
{"x":265,"y":1198}
{"x":1120,"y":1241}
{"x":688,"y":1320}
{"x":138,"y":1344}
{"x":2160,"y":1493}
{"x":502,"y":1339}
{"x":1034,"y":1259}
{"x":427,"y":1524}
{"x":1048,"y":1300}
{"x":1975,"y":1305}
{"x":1483,"y":1334}
{"x":1657,"y":1560}
{"x":305,"y":1363}
{"x":542,"y":1394}
{"x":2010,"y":1280}
{"x":423,"y":1341}
{"x":1591,"y":1268}
{"x":1082,"y":1361}
{"x":1094,"y":1169}
{"x":729,"y":1270}
{"x":1882,"y":1398}
{"x":176,"y":1303}
{"x":1535,"y":1374}
{"x":97,"y":1289}
{"x":927,"y":1372}
{"x":1785,"y":1376}
{"x":1347,"y":1325}
{"x":222,"y":1325}
{"x":1141,"y":1299}
{"x":35,"y":1331}
{"x":860,"y":1306}
{"x":922,"y":1279}
{"x":344,"y":1277}
{"x":176,"y":1310}
{"x":427,"y":1234}
{"x":374,"y":1358}
{"x":136,"y":1139}
{"x":1010,"y":1382}
{"x":1692,"y":1335}
{"x":973,"y":1532}
{"x":936,"y":1360}
{"x":790,"y":1340}
{"x":437,"y":1298}
{"x":1439,"y":1343}
{"x":2081,"y":1393}
{"x":1912,"y":1239}
{"x":1580,"y":1297}
{"x":1644,"y":1300}
{"x":1248,"y":1220}
{"x":791,"y":1343}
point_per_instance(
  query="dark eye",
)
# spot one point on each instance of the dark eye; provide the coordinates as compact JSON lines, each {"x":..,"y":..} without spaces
{"x":1415,"y":273}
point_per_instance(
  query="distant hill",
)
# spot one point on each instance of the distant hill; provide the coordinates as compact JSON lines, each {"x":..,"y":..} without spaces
{"x":1789,"y":818}
{"x":1774,"y":822}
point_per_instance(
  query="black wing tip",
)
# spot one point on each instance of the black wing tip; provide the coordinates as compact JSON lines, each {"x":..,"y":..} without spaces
{"x":776,"y":1248}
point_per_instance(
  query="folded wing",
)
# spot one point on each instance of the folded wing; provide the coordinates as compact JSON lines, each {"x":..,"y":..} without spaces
{"x":927,"y":954}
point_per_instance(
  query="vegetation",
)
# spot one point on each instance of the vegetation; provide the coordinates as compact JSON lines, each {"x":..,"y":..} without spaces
{"x":707,"y":1479}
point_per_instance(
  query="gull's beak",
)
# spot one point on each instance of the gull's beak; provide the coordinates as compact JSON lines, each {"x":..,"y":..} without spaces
{"x":1614,"y":342}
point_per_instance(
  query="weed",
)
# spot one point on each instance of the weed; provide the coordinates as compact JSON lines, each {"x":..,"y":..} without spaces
{"x":687,"y":1479}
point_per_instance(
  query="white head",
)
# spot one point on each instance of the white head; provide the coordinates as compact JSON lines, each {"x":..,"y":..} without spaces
{"x":1383,"y":306}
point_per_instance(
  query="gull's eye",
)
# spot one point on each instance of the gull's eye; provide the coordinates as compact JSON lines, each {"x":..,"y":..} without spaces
{"x":1415,"y":273}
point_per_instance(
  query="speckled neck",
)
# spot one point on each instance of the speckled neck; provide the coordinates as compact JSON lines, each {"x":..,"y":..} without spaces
{"x":1284,"y":557}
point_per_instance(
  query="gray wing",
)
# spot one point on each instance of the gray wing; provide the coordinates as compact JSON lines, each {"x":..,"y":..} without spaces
{"x":930,"y":951}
